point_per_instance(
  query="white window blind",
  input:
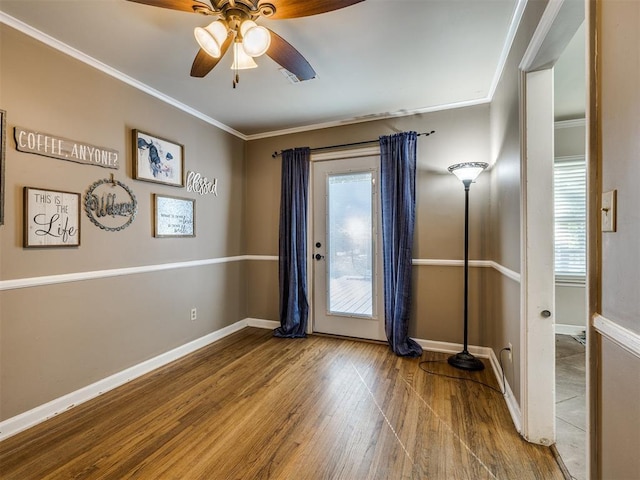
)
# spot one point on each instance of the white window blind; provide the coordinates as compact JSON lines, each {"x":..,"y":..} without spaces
{"x":570,"y":219}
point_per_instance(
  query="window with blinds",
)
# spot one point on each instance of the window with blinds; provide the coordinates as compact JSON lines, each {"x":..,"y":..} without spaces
{"x":570,"y":219}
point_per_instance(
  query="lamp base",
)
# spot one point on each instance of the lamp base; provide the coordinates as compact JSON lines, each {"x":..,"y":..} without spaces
{"x":465,"y":361}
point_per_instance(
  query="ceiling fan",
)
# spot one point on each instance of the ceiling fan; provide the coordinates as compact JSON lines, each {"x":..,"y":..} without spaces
{"x":235,"y":24}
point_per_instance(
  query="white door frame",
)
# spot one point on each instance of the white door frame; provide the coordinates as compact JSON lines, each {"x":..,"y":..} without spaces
{"x":557,"y":26}
{"x":320,"y":157}
{"x":537,"y":287}
{"x":370,"y":326}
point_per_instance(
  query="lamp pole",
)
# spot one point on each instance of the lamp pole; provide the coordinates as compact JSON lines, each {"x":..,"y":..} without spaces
{"x":467,"y":184}
{"x":464,"y":360}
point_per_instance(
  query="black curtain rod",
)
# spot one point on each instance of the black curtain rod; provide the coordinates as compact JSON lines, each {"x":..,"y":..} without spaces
{"x":329,"y":147}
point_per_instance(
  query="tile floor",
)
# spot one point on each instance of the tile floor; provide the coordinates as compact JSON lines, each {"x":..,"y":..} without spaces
{"x":571,"y":404}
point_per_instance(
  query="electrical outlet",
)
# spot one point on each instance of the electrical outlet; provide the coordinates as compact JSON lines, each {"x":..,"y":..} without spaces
{"x":194,"y":314}
{"x":510,"y":351}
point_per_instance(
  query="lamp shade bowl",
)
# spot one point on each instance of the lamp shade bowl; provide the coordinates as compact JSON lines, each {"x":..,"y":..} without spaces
{"x":469,"y":171}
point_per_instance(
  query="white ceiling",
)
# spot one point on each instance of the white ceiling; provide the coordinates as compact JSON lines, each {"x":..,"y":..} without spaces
{"x":374,"y":59}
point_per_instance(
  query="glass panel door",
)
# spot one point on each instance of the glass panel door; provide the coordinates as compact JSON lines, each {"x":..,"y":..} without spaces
{"x":350,"y":241}
{"x":347,"y":256}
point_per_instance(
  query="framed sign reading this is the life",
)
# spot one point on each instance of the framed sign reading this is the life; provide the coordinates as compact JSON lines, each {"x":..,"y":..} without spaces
{"x":51,"y":218}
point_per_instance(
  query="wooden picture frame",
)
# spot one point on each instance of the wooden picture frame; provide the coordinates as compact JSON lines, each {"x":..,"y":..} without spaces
{"x":51,"y":218}
{"x":157,"y":159}
{"x":174,"y":216}
{"x":3,"y":145}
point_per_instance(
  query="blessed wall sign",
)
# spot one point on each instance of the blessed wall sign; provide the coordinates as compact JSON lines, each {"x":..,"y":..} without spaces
{"x":202,"y":185}
{"x":53,"y":146}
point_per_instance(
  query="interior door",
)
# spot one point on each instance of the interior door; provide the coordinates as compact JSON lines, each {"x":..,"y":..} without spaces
{"x":347,"y":248}
{"x":537,"y":283}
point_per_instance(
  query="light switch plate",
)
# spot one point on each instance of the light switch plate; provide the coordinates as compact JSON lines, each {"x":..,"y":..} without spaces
{"x":609,"y":211}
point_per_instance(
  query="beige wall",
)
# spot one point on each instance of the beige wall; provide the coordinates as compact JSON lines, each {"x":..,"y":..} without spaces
{"x":618,"y":414}
{"x":465,"y":134}
{"x":571,"y":305}
{"x":78,"y":333}
{"x":569,"y":140}
{"x":56,"y":339}
{"x":461,"y":135}
{"x":504,"y":230}
{"x":620,"y":126}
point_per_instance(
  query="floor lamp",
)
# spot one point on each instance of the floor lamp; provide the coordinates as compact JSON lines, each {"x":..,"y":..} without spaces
{"x":467,"y":173}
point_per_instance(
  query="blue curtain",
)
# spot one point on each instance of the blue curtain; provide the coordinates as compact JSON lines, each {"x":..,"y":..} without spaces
{"x":398,"y":199}
{"x":292,"y":271}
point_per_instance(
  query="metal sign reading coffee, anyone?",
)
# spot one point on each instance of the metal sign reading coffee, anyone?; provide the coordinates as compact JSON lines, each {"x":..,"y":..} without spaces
{"x":110,"y":204}
{"x":64,"y":149}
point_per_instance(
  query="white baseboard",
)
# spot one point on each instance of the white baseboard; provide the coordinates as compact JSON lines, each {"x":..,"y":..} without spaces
{"x":50,"y":409}
{"x":509,"y":397}
{"x":260,"y":323}
{"x":446,"y":347}
{"x":565,"y":329}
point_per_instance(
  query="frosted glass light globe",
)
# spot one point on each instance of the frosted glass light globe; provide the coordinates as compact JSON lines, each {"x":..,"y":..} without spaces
{"x":255,"y":39}
{"x":211,"y":38}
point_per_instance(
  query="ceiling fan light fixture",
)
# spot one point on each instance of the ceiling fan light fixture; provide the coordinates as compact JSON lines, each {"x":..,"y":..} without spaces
{"x":255,"y":39}
{"x":241,"y":61}
{"x":211,"y":38}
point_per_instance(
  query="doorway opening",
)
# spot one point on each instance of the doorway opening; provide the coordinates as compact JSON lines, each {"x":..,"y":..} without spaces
{"x":570,"y":253}
{"x":558,"y":26}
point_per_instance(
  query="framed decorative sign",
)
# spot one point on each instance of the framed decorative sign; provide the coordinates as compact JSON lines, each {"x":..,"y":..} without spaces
{"x":157,"y":160}
{"x":53,"y":146}
{"x":174,"y":217}
{"x":110,"y":204}
{"x":3,"y":143}
{"x":51,"y":218}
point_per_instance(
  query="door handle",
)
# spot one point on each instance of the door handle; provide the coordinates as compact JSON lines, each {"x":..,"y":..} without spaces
{"x":545,"y":313}
{"x":318,"y":256}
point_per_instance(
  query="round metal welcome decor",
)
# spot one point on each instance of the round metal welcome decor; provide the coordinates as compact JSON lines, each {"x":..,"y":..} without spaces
{"x":110,"y":204}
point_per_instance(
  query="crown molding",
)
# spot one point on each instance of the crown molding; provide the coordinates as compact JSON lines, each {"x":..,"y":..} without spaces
{"x":78,"y":55}
{"x":511,"y":35}
{"x":540,"y":34}
{"x":368,"y":118}
{"x":103,"y":67}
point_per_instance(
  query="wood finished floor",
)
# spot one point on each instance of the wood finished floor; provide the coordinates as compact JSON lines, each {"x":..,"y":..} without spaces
{"x":256,"y":407}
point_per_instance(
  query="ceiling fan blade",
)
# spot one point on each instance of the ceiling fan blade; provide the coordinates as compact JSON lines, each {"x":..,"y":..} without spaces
{"x":182,"y":5}
{"x":282,"y":52}
{"x":204,"y":63}
{"x":305,"y":8}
